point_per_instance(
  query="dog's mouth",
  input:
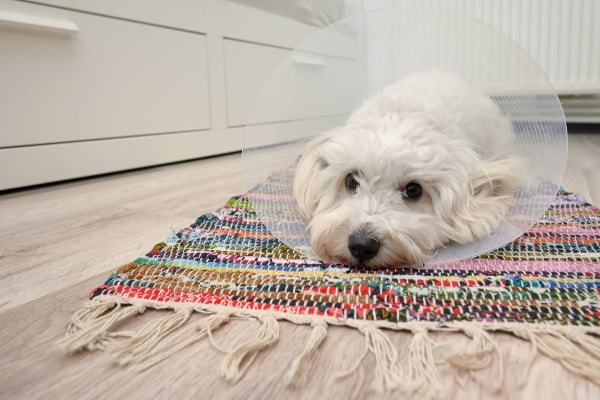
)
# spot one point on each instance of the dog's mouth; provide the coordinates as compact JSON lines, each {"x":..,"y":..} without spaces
{"x":373,"y":261}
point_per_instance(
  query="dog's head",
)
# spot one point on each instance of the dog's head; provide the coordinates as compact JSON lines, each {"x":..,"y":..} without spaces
{"x":389,"y":191}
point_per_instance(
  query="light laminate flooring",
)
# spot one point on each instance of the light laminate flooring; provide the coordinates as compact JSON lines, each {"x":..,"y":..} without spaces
{"x":60,"y":241}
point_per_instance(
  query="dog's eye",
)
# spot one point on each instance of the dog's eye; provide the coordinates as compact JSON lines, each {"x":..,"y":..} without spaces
{"x":351,"y":182}
{"x":413,"y":191}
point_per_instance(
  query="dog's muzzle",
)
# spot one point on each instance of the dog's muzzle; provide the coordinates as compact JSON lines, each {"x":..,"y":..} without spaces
{"x":363,"y":246}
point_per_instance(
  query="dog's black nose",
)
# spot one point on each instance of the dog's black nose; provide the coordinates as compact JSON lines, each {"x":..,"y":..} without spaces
{"x":362,"y":246}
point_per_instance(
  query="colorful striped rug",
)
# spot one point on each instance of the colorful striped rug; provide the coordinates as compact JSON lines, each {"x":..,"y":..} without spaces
{"x":544,"y":287}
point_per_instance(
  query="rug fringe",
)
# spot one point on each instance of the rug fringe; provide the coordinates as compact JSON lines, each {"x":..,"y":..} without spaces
{"x":239,"y":359}
{"x":184,"y":339}
{"x":90,"y":327}
{"x":298,"y":373}
{"x":561,"y":346}
{"x":476,"y":360}
{"x":422,"y":372}
{"x":93,"y":328}
{"x":145,"y":340}
{"x":388,"y":374}
{"x":588,"y":342}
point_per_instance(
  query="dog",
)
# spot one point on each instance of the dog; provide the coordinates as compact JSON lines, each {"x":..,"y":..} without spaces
{"x":426,"y":162}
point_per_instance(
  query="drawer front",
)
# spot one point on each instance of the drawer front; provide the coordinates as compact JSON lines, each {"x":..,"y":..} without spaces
{"x":312,"y":85}
{"x":31,"y":165}
{"x":111,"y":79}
{"x":218,"y":17}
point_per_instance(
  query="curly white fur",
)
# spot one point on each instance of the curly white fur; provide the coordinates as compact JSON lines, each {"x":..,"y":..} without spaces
{"x":428,"y":129}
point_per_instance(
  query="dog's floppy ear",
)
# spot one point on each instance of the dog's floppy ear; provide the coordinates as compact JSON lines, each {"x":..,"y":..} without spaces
{"x":306,"y":187}
{"x":492,"y":188}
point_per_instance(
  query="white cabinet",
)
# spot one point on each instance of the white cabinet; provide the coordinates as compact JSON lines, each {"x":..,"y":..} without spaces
{"x":112,"y":79}
{"x":310,"y":78}
{"x":248,"y":68}
{"x":128,"y":83}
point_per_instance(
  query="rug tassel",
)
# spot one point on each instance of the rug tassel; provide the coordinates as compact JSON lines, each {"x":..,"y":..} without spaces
{"x":145,"y":340}
{"x":590,"y":343}
{"x":477,"y":358}
{"x":423,"y":375}
{"x":388,"y":374}
{"x":239,"y":359}
{"x":354,"y":367}
{"x":299,"y":369}
{"x":184,"y":339}
{"x":89,"y":328}
{"x":561,"y":347}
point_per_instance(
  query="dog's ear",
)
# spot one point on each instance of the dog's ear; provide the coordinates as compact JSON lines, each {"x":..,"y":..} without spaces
{"x":306,"y":188}
{"x":491,"y":192}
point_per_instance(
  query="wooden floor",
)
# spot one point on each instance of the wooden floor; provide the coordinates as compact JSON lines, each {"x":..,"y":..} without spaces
{"x":58,"y":242}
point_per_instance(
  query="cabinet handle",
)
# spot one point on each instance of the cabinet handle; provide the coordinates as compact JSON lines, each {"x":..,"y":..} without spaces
{"x":309,"y":61}
{"x":30,"y":21}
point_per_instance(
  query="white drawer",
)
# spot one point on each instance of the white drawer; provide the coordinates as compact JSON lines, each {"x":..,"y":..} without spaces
{"x":112,"y":79}
{"x":319,"y":84}
{"x":218,"y":17}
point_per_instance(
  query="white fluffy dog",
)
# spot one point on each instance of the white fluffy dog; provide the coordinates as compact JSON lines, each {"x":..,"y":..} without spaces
{"x":425,"y":162}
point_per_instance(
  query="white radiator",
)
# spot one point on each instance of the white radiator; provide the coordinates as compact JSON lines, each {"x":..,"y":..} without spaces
{"x":562,"y":36}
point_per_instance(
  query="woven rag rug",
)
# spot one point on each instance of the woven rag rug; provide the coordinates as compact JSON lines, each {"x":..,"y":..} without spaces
{"x":544,"y":287}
